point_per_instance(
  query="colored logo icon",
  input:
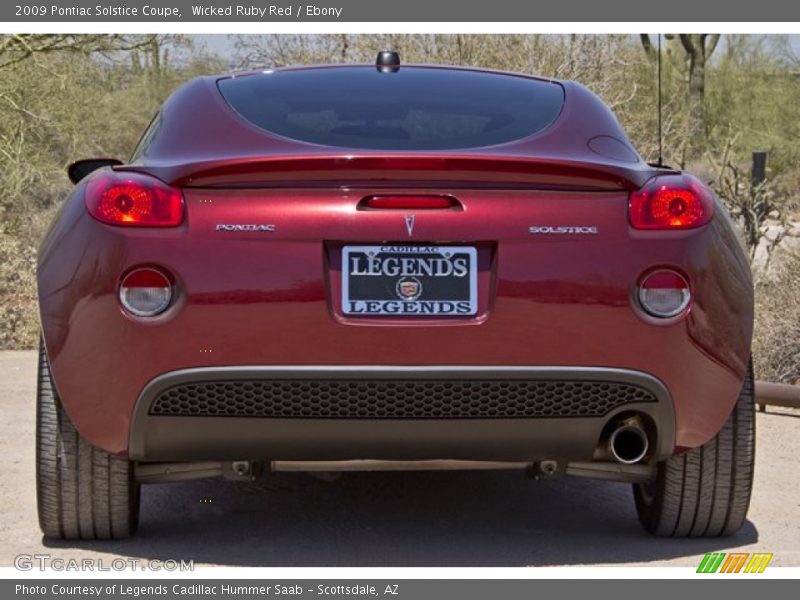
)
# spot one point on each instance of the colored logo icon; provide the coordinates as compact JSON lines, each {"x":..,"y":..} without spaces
{"x":734,"y":562}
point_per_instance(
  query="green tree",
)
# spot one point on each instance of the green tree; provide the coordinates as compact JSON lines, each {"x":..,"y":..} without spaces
{"x":697,"y":49}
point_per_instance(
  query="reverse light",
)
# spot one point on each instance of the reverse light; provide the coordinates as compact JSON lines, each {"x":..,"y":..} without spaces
{"x":671,"y":202}
{"x":133,"y":200}
{"x":145,"y":292}
{"x":664,"y":294}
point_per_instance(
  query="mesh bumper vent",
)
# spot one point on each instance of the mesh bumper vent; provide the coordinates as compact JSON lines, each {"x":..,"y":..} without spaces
{"x":396,"y":399}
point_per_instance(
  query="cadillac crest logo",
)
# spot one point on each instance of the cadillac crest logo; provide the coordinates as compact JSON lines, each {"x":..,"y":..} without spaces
{"x":408,"y":288}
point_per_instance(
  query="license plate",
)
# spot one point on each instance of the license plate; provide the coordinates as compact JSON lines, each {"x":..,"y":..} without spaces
{"x":409,"y":281}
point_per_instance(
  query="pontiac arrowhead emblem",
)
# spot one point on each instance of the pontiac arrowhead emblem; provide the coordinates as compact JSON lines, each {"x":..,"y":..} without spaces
{"x":410,"y":224}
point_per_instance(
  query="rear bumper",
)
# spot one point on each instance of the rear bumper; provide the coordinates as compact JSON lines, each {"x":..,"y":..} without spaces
{"x":177,"y":418}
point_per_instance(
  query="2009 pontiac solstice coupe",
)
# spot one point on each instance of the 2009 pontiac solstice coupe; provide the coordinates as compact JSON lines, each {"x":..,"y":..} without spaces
{"x":392,"y":267}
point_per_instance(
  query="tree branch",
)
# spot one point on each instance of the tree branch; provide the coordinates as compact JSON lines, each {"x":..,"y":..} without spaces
{"x":713,"y":40}
{"x":688,"y":44}
{"x":647,"y":45}
{"x":16,"y":48}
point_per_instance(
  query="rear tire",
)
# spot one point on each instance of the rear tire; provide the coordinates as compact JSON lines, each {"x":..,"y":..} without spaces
{"x":82,"y":493}
{"x":705,"y":491}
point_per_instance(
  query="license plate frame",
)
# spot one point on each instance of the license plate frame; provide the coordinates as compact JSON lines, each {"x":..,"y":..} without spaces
{"x":375,"y":287}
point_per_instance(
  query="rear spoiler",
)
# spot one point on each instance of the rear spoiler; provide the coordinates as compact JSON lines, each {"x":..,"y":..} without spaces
{"x":403,"y":171}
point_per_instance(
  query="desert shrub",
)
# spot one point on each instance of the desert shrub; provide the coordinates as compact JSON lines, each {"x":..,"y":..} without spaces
{"x":58,"y":106}
{"x":776,"y":342}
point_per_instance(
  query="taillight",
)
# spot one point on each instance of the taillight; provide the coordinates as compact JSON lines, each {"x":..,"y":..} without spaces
{"x":409,"y":202}
{"x":145,"y":292}
{"x":664,"y":294}
{"x":671,"y":202}
{"x":133,"y":199}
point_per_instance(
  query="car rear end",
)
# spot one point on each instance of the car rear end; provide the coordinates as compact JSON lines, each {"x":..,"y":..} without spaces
{"x":402,"y":288}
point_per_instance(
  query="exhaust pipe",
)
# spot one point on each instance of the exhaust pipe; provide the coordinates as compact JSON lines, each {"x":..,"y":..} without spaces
{"x":628,"y":443}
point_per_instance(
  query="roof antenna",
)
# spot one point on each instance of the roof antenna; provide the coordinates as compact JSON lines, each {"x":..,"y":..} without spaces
{"x":387,"y":62}
{"x":660,"y":162}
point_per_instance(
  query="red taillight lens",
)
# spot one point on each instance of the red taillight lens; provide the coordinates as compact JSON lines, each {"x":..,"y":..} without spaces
{"x":145,"y":292}
{"x":410,"y":202}
{"x":671,"y":202}
{"x":133,"y":199}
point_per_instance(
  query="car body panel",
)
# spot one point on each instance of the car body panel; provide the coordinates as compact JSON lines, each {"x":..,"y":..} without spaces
{"x":259,"y":298}
{"x":272,"y":296}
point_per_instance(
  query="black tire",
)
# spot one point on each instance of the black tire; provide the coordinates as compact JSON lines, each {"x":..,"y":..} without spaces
{"x":82,"y":493}
{"x":705,"y":491}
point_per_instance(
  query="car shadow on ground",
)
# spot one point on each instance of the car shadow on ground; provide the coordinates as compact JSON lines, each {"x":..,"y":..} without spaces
{"x":399,"y":519}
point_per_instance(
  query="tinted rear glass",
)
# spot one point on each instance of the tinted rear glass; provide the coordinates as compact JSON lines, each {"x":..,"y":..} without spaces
{"x":411,"y":109}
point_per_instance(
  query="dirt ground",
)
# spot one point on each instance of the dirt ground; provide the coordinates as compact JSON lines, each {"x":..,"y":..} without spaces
{"x":395,"y":519}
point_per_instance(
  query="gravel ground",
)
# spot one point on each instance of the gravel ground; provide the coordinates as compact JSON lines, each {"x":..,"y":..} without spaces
{"x":395,"y":519}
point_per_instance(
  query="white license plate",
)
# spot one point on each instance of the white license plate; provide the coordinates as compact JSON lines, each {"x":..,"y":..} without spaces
{"x":409,"y":281}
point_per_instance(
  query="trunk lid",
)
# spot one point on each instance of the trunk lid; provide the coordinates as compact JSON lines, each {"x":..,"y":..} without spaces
{"x":540,"y":245}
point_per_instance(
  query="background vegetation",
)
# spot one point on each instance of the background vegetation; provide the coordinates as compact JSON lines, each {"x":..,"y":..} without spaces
{"x":66,"y":97}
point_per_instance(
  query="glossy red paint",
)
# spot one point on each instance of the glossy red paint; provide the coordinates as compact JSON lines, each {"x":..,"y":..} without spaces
{"x":273,"y":297}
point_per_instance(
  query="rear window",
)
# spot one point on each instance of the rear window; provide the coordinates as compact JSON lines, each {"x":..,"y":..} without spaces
{"x":411,"y":109}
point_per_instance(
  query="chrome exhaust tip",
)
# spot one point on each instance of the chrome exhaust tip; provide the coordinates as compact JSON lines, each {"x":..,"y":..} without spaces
{"x":628,"y":443}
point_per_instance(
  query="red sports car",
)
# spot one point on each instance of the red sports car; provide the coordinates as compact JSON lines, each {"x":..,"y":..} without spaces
{"x":392,"y":267}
